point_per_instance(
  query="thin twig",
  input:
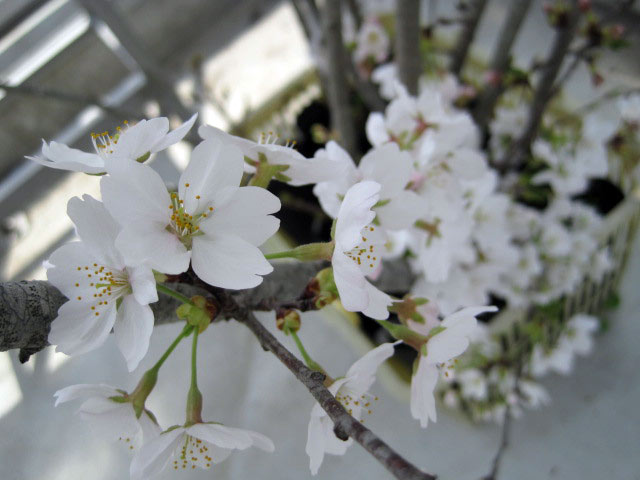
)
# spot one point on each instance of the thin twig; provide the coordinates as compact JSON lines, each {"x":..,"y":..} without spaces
{"x":345,"y":425}
{"x":338,"y":94}
{"x":407,"y":44}
{"x":500,"y":61}
{"x":516,"y":155}
{"x":470,"y":23}
{"x":356,"y":14}
{"x":579,"y":55}
{"x":611,"y":94}
{"x":504,"y":443}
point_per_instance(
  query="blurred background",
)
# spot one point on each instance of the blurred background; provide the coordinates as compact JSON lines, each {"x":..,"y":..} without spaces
{"x":68,"y":68}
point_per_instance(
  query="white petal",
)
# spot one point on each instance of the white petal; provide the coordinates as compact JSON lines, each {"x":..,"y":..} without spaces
{"x":355,"y":213}
{"x":175,"y":135}
{"x":76,"y":330}
{"x":62,"y":157}
{"x":261,"y":441}
{"x":402,"y":211}
{"x":315,"y":444}
{"x":333,"y":444}
{"x":388,"y":166}
{"x":84,"y":390}
{"x":132,"y":330}
{"x":135,"y":195}
{"x":247,"y":147}
{"x":466,"y":313}
{"x":109,"y":419}
{"x":143,"y":284}
{"x":378,"y":303}
{"x":64,"y":274}
{"x":228,"y":261}
{"x":245,"y":214}
{"x":350,"y":282}
{"x":136,"y":141}
{"x":362,"y":373}
{"x":155,"y":247}
{"x":213,"y":166}
{"x":221,"y":435}
{"x":97,"y":229}
{"x":423,"y":382}
{"x":443,"y":347}
{"x":376,"y":129}
{"x":150,"y":429}
{"x":153,"y":457}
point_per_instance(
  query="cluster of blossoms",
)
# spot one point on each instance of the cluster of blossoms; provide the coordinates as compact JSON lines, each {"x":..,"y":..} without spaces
{"x":475,"y":238}
{"x":140,"y":235}
{"x":425,"y":192}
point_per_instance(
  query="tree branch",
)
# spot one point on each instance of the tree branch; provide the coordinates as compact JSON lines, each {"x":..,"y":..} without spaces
{"x":345,"y":425}
{"x":500,"y":61}
{"x":338,"y":93}
{"x":407,"y":46}
{"x":28,"y":308}
{"x":504,"y":443}
{"x":545,"y":89}
{"x":470,"y":23}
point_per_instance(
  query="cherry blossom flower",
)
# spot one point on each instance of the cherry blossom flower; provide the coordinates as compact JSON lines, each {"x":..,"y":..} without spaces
{"x":629,"y":107}
{"x":209,"y":221}
{"x":199,"y":445}
{"x":473,"y":384}
{"x":372,"y":42}
{"x":446,"y":341}
{"x":130,"y":143}
{"x":577,"y":339}
{"x":103,"y":292}
{"x":398,"y":207}
{"x":352,"y":391}
{"x":358,"y":244}
{"x":300,"y":171}
{"x":108,"y":413}
{"x":533,"y":394}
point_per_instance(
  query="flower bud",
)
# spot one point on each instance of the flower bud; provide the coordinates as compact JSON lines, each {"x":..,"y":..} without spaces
{"x":407,"y":309}
{"x":288,"y":320}
{"x":323,"y":288}
{"x":200,"y":314}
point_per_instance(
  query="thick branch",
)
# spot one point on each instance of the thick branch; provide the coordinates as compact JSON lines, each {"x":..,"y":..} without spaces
{"x":407,"y":45}
{"x":338,"y":94}
{"x":500,"y":60}
{"x":310,"y":20}
{"x":345,"y":425}
{"x":545,"y":88}
{"x":469,"y":25}
{"x":28,"y":308}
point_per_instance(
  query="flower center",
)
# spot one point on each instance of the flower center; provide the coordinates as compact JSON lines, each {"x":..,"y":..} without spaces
{"x":104,"y":143}
{"x":103,"y":284}
{"x":193,"y":453}
{"x":184,"y":225}
{"x":127,"y":441}
{"x":448,"y":368}
{"x":354,"y":404}
{"x":364,"y":254}
{"x":271,"y":138}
